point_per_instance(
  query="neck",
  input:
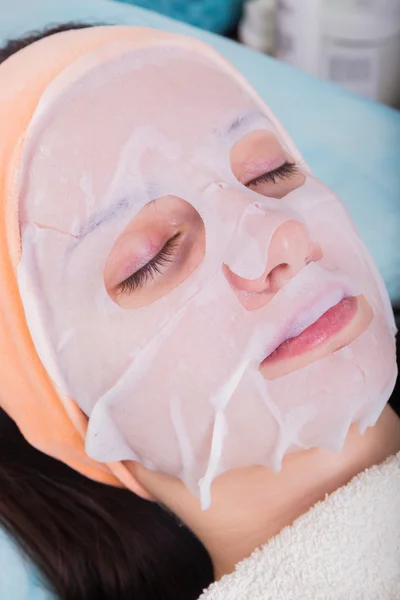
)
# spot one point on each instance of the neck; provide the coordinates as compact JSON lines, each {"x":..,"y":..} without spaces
{"x":251,"y":505}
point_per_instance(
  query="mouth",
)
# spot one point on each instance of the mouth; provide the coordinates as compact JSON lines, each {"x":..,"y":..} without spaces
{"x":336,"y":328}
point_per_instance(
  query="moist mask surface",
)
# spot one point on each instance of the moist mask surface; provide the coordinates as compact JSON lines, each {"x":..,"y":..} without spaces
{"x":194,"y":368}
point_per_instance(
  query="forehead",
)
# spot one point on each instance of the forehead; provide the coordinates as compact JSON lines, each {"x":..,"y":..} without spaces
{"x":165,"y":100}
{"x":181,"y":93}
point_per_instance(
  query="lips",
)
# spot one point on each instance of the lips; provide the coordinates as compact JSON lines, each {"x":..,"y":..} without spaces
{"x":330,"y":323}
{"x":304,"y":303}
{"x":332,"y":330}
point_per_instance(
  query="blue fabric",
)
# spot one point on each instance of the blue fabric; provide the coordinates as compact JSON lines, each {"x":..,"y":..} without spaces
{"x":352,"y":144}
{"x":214,"y":15}
{"x":19,"y":580}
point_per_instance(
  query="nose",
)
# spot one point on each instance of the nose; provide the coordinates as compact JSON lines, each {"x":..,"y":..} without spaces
{"x":290,"y":250}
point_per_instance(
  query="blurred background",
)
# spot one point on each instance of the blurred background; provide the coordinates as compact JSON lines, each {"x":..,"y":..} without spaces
{"x":354,"y":43}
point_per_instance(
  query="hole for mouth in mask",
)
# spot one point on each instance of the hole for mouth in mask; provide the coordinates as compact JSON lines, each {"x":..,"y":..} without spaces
{"x":157,"y":251}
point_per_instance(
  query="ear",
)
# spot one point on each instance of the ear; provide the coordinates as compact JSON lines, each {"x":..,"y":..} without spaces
{"x":124,"y":475}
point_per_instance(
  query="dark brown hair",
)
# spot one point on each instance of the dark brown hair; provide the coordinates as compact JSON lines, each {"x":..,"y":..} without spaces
{"x":14,"y":45}
{"x":91,"y":541}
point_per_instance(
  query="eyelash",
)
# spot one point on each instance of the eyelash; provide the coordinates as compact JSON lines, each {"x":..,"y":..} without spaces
{"x":282,"y":173}
{"x":138,"y":279}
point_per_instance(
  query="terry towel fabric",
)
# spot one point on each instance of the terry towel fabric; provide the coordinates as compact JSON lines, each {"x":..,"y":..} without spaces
{"x":345,"y":548}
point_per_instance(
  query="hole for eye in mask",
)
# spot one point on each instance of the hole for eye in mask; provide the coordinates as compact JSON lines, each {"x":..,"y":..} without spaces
{"x":259,"y":162}
{"x":157,"y":251}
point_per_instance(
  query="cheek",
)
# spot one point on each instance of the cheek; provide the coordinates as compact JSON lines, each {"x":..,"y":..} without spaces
{"x":331,"y":227}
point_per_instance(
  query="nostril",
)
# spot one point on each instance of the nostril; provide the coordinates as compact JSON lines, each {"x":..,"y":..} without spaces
{"x":278,"y":276}
{"x":281,"y":268}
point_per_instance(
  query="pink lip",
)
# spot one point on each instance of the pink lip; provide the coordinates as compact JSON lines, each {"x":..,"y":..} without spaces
{"x":329,"y":324}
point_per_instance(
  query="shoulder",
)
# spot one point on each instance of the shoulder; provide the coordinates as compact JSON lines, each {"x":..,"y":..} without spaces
{"x":345,"y":548}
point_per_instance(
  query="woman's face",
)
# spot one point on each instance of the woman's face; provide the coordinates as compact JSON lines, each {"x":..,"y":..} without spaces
{"x":205,"y":300}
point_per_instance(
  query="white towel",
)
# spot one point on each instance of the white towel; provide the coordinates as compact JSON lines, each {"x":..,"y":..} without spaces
{"x":346,"y":547}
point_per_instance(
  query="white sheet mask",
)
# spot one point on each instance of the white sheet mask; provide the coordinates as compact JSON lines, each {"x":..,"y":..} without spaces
{"x":176,"y":383}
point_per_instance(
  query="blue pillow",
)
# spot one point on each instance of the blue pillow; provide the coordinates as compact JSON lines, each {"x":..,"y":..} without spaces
{"x":19,"y":579}
{"x":352,"y":144}
{"x":214,"y":15}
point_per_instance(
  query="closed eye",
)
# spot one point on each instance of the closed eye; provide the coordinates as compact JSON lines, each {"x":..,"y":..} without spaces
{"x":150,"y":270}
{"x":282,"y":173}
